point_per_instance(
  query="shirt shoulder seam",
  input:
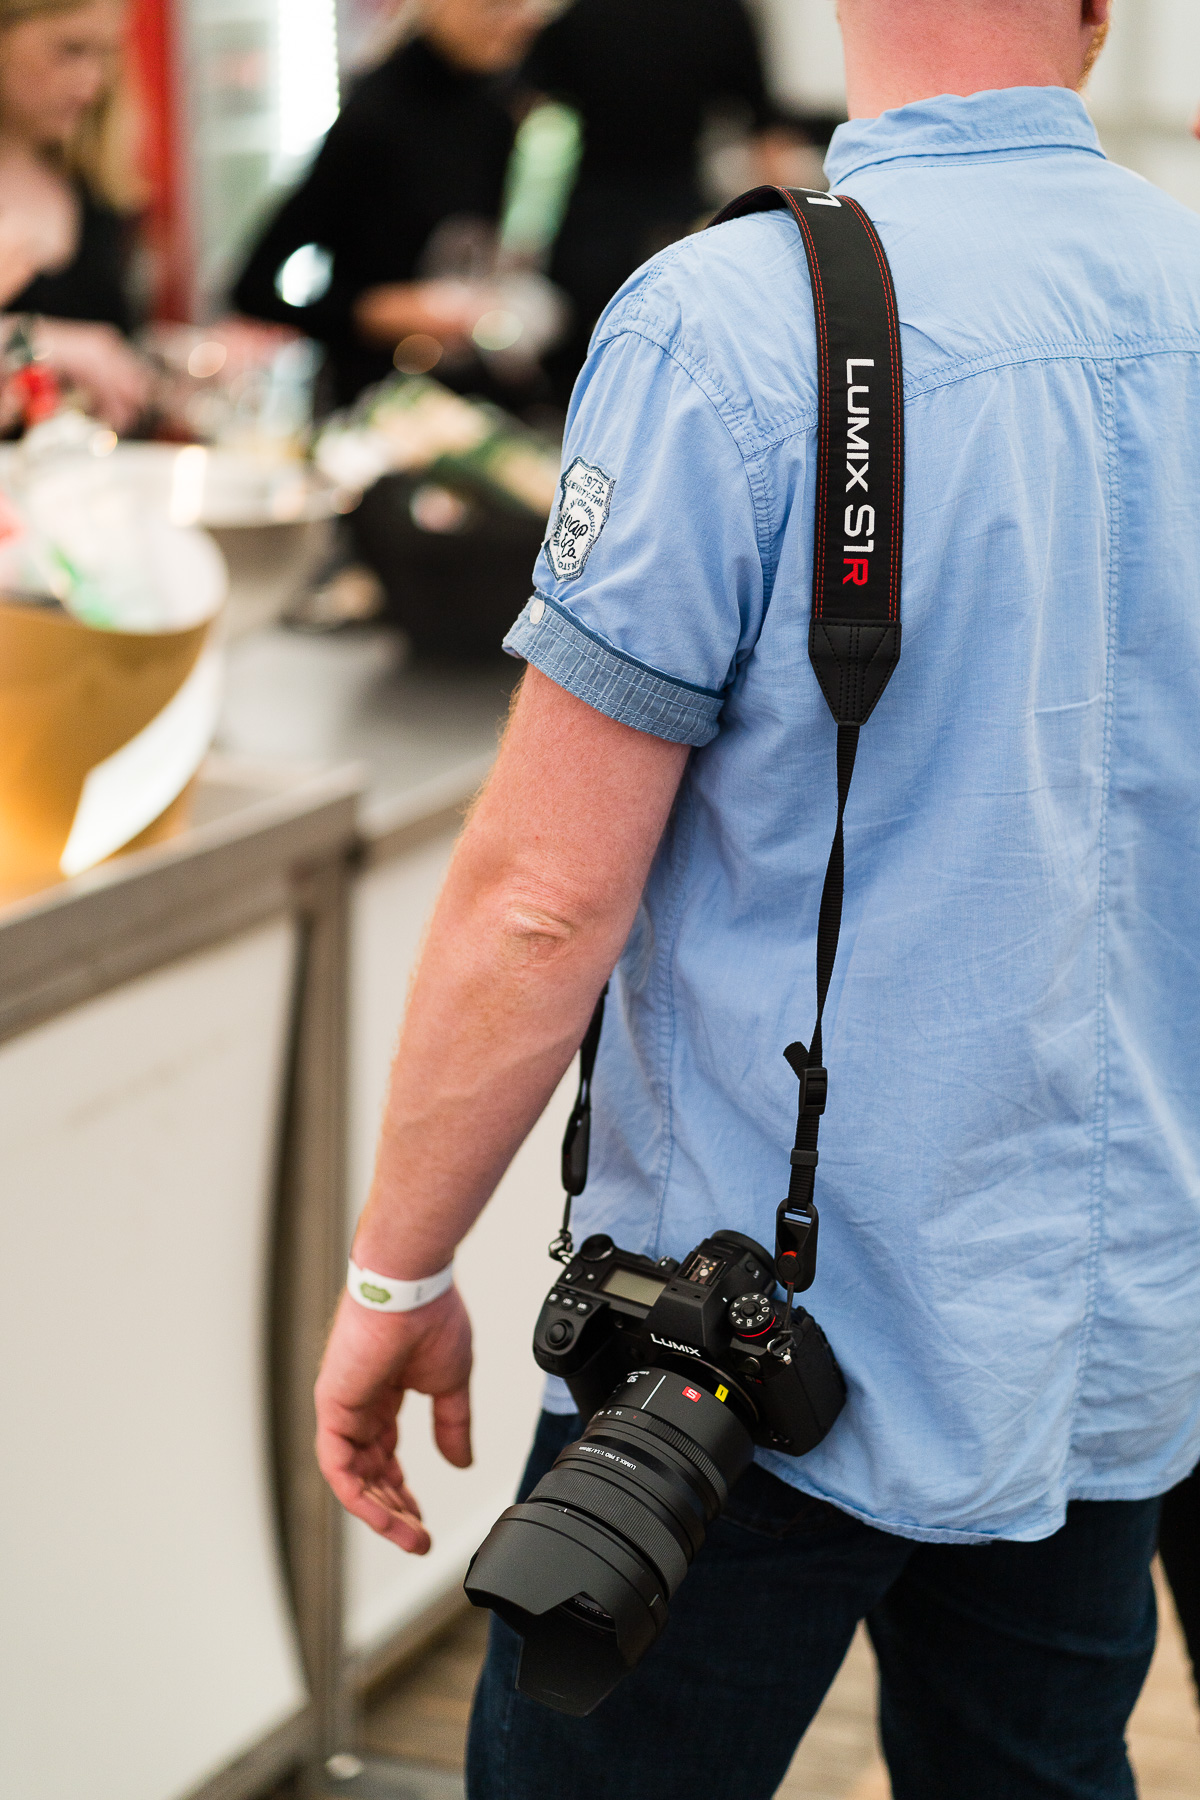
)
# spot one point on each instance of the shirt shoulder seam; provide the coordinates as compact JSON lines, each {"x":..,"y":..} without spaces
{"x":748,"y":442}
{"x":705,"y":381}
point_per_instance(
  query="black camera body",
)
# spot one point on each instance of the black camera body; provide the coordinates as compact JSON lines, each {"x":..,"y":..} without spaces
{"x":711,"y":1317}
{"x":679,"y":1370}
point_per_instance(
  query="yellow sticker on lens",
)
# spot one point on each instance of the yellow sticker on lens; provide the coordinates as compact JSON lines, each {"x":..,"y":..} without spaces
{"x":722,"y":1393}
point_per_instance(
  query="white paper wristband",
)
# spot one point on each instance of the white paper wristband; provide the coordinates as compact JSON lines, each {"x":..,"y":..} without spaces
{"x":382,"y":1293}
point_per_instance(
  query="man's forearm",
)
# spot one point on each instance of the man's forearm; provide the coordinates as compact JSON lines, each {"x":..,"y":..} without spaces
{"x":487,"y":1038}
{"x":539,"y":900}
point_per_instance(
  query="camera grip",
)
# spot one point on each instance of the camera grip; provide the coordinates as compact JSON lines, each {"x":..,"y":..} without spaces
{"x":801,"y":1398}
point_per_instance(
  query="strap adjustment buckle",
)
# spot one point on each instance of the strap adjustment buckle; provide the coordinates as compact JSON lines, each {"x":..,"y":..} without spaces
{"x":814,"y":1090}
{"x":814,"y":1081}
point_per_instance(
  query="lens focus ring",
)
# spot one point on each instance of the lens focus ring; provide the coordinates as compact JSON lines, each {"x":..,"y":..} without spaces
{"x":655,"y":1479}
{"x":587,"y":1491}
{"x":701,"y":1463}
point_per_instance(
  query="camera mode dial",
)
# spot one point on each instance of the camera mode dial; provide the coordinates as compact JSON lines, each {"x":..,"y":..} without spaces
{"x":752,"y":1315}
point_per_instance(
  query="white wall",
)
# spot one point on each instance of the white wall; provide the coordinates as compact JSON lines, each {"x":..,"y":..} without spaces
{"x":146,"y":1639}
{"x":804,"y":52}
{"x":1145,"y":90}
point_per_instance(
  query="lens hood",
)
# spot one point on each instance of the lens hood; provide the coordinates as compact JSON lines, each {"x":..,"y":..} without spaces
{"x":587,"y":1607}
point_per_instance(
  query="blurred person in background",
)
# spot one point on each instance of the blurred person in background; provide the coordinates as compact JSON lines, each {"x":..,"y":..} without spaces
{"x":646,"y":77}
{"x":68,"y":192}
{"x":423,"y":140}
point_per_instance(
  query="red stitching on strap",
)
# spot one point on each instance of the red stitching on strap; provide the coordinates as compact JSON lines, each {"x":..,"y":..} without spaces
{"x":824,"y":398}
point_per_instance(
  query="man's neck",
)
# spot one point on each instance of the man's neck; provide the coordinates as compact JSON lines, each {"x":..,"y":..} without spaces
{"x":896,"y":55}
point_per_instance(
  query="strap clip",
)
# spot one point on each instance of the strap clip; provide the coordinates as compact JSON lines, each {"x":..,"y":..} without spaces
{"x":796,"y":1244}
{"x":562,"y":1248}
{"x":576,"y":1143}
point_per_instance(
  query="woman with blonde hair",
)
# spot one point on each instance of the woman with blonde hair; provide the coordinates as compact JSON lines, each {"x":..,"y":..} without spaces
{"x":67,"y":190}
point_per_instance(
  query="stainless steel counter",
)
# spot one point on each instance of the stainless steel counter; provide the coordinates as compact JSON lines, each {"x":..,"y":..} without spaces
{"x":356,"y":696}
{"x":171,"y":1134}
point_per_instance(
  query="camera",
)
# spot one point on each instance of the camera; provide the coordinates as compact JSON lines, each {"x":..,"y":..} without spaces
{"x":680,"y":1369}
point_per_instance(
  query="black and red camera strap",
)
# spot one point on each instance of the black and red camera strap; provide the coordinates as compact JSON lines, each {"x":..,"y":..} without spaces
{"x":854,"y":628}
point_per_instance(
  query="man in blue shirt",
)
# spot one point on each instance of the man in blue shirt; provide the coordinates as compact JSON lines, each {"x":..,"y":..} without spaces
{"x":1010,"y":1198}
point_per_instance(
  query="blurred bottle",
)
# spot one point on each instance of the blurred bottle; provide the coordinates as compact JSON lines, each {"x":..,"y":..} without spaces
{"x":541,"y":173}
{"x":236,"y":384}
{"x":33,"y":393}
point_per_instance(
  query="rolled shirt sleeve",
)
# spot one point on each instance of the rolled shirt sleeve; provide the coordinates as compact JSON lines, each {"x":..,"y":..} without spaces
{"x":649,"y":586}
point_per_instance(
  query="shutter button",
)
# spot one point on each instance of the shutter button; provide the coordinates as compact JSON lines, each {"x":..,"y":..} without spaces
{"x":560,"y":1333}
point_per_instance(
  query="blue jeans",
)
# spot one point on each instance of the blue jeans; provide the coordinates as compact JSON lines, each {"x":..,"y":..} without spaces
{"x":1007,"y":1671}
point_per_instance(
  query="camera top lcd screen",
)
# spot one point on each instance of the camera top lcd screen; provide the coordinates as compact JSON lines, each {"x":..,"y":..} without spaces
{"x":627,"y":1284}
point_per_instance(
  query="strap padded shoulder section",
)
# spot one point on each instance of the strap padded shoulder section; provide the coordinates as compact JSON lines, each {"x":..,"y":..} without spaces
{"x":854,"y":635}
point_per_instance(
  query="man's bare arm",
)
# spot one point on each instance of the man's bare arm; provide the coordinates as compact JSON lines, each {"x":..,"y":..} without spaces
{"x":537,"y":905}
{"x":539,"y":899}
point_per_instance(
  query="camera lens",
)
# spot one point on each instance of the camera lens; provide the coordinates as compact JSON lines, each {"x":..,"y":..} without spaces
{"x":585,"y":1568}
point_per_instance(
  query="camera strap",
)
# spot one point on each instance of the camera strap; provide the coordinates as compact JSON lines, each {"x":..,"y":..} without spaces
{"x":854,"y":628}
{"x":577,"y":1137}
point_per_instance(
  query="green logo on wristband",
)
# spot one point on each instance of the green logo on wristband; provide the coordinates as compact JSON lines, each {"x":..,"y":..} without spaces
{"x":379,"y":1295}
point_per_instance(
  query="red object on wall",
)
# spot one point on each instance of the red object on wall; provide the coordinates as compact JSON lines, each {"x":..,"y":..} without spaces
{"x":165,"y":233}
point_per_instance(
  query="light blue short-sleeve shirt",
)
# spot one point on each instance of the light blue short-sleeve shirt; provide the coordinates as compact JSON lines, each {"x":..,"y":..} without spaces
{"x":1010,"y":1162}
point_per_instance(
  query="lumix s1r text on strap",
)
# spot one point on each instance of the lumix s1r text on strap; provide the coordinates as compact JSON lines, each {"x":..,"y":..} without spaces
{"x":854,"y":635}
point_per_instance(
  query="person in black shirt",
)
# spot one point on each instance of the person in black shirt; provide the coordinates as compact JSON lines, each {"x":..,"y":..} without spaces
{"x":423,"y":138}
{"x":66,"y":200}
{"x":645,"y":76}
{"x":92,"y":285}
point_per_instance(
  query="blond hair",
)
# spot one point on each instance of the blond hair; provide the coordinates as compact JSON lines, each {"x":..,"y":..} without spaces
{"x":103,"y":152}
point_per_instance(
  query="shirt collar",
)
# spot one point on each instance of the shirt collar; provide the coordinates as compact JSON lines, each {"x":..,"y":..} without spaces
{"x":1028,"y":119}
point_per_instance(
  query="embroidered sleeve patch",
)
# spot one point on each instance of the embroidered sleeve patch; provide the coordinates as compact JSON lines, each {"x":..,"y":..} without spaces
{"x":584,"y":495}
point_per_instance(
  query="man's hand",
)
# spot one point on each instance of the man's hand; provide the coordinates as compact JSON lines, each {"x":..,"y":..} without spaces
{"x":445,"y":310}
{"x":372,"y":1359}
{"x":112,"y":378}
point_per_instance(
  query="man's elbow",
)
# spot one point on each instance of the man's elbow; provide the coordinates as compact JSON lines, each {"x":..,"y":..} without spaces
{"x":544,"y":926}
{"x":538,"y":933}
